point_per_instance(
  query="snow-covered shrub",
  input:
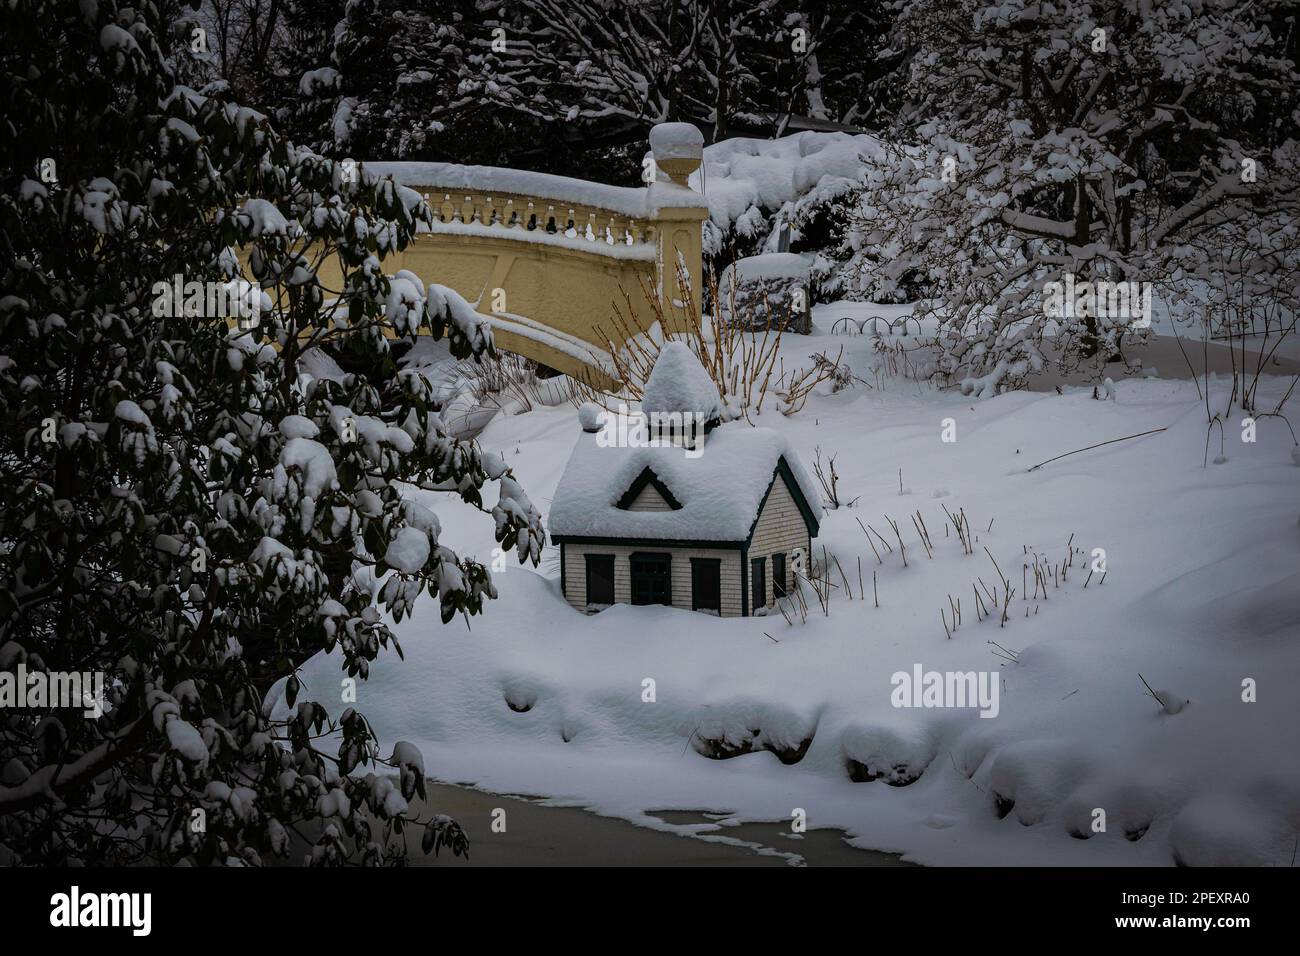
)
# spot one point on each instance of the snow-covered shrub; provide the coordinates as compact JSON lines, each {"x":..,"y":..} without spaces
{"x":734,"y":728}
{"x":743,"y":364}
{"x":1219,"y":828}
{"x":185,"y":509}
{"x":768,"y":291}
{"x":1032,"y":777}
{"x":899,"y":754}
{"x":1130,"y":806}
{"x":1058,"y":158}
{"x":513,"y":383}
{"x":796,"y":189}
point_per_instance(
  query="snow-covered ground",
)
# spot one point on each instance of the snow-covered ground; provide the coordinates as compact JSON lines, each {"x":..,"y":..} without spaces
{"x":1201,"y":597}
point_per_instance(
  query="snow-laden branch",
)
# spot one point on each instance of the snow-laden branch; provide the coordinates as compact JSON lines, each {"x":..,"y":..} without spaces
{"x":48,"y":782}
{"x":1038,"y":225}
{"x":1226,"y":187}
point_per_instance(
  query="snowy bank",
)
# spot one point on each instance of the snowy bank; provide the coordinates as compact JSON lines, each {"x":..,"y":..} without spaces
{"x":625,"y":710}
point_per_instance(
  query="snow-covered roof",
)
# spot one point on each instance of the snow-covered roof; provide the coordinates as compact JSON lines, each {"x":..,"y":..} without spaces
{"x":719,"y":492}
{"x":679,"y":383}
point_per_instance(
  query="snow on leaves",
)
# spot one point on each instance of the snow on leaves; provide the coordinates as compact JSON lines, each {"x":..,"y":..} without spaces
{"x":1120,"y":161}
{"x":187,"y":508}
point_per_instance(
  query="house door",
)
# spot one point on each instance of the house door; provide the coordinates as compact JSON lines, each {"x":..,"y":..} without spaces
{"x":779,"y":578}
{"x":757,"y":584}
{"x":651,"y":578}
{"x":706,"y":584}
{"x":600,"y":579}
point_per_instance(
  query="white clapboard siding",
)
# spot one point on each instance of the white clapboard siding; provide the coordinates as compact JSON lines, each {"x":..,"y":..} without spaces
{"x":649,"y":500}
{"x":575,"y":573}
{"x":780,"y":530}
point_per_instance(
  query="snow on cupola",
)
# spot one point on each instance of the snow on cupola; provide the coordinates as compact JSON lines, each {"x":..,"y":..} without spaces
{"x":679,"y":396}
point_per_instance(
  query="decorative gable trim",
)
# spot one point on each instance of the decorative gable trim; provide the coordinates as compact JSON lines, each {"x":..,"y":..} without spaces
{"x":648,"y":477}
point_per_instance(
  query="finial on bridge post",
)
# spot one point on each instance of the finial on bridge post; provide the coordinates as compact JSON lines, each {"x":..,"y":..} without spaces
{"x":678,"y":150}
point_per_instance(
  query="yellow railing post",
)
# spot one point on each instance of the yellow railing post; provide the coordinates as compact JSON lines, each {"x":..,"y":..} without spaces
{"x":678,"y":150}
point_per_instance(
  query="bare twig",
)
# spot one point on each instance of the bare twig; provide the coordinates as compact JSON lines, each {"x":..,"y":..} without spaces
{"x":888,"y":547}
{"x":1098,"y":445}
{"x":869,"y":541}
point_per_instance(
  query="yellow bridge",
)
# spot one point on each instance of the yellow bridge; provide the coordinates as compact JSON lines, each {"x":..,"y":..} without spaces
{"x":552,"y":263}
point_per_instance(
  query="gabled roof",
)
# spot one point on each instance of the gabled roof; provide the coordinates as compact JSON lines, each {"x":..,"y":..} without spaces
{"x":718,"y":494}
{"x":647,"y":477}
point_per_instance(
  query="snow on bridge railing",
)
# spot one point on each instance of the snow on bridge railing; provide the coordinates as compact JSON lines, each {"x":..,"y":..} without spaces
{"x":514,"y":202}
{"x":517,"y":200}
{"x":638,"y":246}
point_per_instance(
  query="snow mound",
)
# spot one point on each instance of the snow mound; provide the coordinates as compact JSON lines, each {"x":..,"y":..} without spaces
{"x":737,"y":727}
{"x":1127,"y":807}
{"x":591,"y":417}
{"x":1033,"y":777}
{"x":898,"y":754}
{"x":1226,"y":829}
